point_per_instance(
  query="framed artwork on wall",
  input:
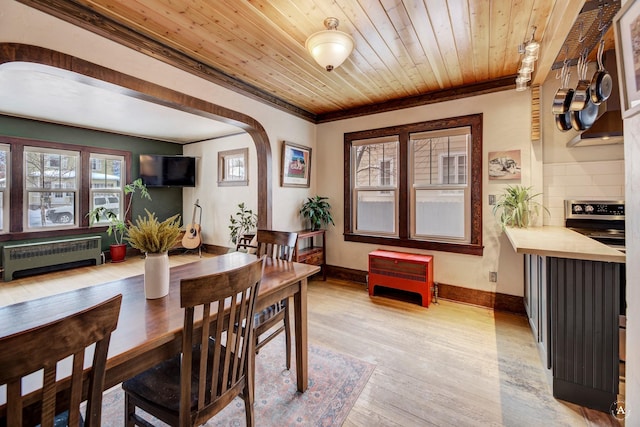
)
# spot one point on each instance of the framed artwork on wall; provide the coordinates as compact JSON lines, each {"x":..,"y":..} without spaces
{"x":627,"y":34}
{"x":233,"y":168}
{"x":295,"y":166}
{"x":504,"y":165}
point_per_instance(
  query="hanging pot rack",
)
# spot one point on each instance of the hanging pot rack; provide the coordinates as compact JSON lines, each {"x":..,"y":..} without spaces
{"x":592,"y":24}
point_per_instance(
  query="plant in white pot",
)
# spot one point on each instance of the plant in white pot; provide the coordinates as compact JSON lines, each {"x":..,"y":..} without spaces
{"x":317,"y":211}
{"x":154,"y":238}
{"x":516,"y":207}
{"x":117,"y":226}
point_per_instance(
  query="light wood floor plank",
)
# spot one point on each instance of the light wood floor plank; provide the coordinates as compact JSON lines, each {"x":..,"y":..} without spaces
{"x":450,"y":364}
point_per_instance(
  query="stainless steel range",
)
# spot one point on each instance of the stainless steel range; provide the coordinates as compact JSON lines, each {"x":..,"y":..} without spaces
{"x":600,"y":220}
{"x":603,"y":221}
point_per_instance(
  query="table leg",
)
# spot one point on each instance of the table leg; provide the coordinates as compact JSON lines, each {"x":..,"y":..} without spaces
{"x":300,"y":308}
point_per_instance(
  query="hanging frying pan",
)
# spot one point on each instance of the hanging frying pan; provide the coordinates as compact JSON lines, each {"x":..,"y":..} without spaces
{"x":601,"y":83}
{"x":584,"y":119}
{"x":563,"y":121}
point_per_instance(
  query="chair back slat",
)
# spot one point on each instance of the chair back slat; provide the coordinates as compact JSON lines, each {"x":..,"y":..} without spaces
{"x":41,"y":348}
{"x":224,"y":351}
{"x":276,"y":244}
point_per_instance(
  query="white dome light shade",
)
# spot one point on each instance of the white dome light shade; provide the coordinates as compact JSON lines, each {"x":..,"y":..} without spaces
{"x":330,"y":47}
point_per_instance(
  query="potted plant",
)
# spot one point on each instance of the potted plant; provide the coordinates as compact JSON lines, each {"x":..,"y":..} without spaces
{"x":317,"y":211}
{"x":154,"y":239}
{"x":117,"y":226}
{"x":242,"y":222}
{"x":516,"y":207}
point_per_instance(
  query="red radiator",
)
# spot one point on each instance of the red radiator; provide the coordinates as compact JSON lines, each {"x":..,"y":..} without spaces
{"x":403,"y":271}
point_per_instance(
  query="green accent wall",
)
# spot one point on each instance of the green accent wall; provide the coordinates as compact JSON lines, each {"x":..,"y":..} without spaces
{"x":165,"y":201}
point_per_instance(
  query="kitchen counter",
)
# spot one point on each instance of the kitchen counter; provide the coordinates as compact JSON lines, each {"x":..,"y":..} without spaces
{"x":562,"y":243}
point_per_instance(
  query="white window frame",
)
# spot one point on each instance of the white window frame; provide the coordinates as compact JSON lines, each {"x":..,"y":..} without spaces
{"x":452,"y":187}
{"x":390,"y":190}
{"x":116,"y":190}
{"x":69,"y":187}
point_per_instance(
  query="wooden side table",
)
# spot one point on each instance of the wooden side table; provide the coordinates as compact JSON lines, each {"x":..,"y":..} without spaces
{"x":311,"y":249}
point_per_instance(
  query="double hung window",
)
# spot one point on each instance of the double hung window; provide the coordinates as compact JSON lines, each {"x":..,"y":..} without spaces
{"x":375,"y":187}
{"x":5,"y":176}
{"x":416,"y":185}
{"x":51,"y":187}
{"x":107,"y":187}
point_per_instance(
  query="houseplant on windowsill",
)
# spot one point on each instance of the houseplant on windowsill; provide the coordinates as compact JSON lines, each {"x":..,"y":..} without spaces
{"x":317,"y":211}
{"x":117,"y":226}
{"x":154,"y":239}
{"x":516,"y":207}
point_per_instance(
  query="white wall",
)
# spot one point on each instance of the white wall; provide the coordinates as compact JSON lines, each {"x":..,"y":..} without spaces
{"x":218,"y":203}
{"x":506,"y":124}
{"x":596,"y":180}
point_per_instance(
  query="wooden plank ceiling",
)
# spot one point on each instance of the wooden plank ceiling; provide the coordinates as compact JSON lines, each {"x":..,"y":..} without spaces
{"x":405,"y":49}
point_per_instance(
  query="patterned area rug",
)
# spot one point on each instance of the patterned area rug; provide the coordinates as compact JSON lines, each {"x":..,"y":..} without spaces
{"x":335,"y":382}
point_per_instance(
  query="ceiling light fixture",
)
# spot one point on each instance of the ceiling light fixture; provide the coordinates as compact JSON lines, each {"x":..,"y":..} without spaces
{"x":330,"y":47}
{"x":530,"y":51}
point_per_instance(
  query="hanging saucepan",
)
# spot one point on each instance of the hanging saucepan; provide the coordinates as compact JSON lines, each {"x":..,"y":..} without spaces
{"x":562,"y":100}
{"x":601,"y":83}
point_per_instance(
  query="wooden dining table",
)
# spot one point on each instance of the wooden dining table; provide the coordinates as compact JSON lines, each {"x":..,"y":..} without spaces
{"x":149,"y":331}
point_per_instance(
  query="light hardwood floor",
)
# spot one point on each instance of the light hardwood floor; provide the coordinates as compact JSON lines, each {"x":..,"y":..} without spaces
{"x":448,"y":365}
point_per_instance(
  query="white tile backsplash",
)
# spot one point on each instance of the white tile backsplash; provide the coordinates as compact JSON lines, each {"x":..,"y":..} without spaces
{"x":580,"y":180}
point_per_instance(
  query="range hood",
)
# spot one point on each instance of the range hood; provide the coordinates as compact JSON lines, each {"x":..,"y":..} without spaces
{"x":607,"y":129}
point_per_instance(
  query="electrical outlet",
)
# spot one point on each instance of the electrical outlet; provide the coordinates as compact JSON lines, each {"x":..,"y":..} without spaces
{"x":493,"y":276}
{"x":492,"y":199}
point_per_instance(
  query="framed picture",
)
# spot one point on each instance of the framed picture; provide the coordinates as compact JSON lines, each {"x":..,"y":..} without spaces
{"x":504,"y":164}
{"x":627,"y":33}
{"x":233,"y":167}
{"x":296,"y":165}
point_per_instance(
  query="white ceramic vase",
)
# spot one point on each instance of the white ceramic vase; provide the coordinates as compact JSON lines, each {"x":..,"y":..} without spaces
{"x":156,"y":275}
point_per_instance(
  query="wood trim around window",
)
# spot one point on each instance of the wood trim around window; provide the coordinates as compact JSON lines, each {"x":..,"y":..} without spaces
{"x":475,"y":246}
{"x":16,"y":226}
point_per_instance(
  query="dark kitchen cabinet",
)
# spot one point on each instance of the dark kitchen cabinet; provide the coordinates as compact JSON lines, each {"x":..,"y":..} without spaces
{"x":573,"y":310}
{"x":537,"y":303}
{"x":585,"y":312}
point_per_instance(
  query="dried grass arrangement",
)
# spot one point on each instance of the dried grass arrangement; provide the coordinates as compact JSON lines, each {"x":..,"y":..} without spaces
{"x":152,"y":236}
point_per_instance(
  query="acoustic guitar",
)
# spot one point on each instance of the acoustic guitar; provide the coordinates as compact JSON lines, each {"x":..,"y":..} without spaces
{"x":191,"y":238}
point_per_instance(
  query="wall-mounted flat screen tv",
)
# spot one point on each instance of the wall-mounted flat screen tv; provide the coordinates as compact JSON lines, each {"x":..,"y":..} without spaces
{"x":167,"y":171}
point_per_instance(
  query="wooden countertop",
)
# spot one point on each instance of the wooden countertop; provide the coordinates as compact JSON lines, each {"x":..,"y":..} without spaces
{"x":562,"y":243}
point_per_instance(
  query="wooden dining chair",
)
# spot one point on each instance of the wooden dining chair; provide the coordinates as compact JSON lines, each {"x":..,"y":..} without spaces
{"x":278,"y":245}
{"x":40,"y":349}
{"x":217,"y":357}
